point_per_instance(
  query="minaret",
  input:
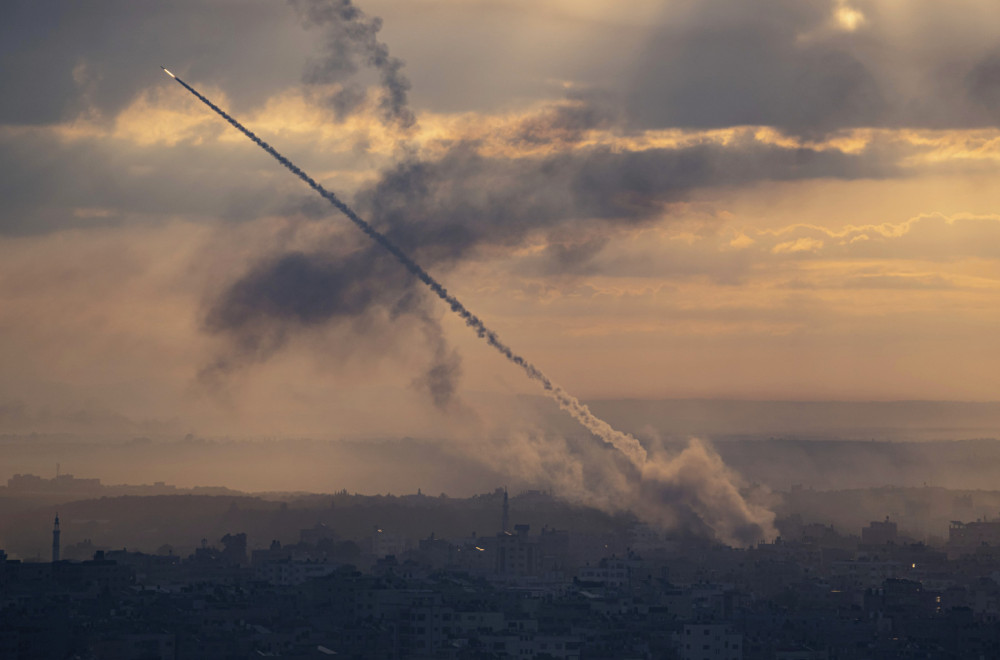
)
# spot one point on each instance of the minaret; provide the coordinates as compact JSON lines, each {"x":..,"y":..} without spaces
{"x":505,"y":521}
{"x":55,"y":541}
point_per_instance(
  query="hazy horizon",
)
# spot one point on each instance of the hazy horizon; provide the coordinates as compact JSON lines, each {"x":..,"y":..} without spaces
{"x":775,"y":444}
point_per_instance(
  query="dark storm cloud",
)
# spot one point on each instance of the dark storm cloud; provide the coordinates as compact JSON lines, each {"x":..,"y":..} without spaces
{"x":59,"y":58}
{"x":350,"y":42}
{"x":62,"y":58}
{"x":51,"y":184}
{"x":983,"y":83}
{"x":788,"y":64}
{"x":731,"y":66}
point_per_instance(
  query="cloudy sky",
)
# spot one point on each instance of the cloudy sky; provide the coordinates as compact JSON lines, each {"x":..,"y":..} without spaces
{"x":783,"y":199}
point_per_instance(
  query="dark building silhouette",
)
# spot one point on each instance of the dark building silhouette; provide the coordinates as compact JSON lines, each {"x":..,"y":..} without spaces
{"x":55,"y":540}
{"x":505,"y":520}
{"x":518,"y":554}
{"x":879,"y":533}
{"x":963,"y":536}
{"x":570,"y":594}
{"x":235,"y":549}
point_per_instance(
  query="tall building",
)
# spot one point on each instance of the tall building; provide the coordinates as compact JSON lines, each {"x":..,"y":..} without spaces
{"x":879,"y":533}
{"x":55,"y":541}
{"x":518,"y":554}
{"x":505,"y":521}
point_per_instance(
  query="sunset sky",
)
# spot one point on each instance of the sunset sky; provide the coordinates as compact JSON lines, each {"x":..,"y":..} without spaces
{"x":779,"y":199}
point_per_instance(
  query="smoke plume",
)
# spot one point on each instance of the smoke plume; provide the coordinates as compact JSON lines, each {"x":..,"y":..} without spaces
{"x":441,"y":209}
{"x":443,"y":373}
{"x":352,"y":40}
{"x":725,"y":499}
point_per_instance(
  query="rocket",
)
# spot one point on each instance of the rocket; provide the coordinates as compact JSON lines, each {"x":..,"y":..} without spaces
{"x":624,"y":442}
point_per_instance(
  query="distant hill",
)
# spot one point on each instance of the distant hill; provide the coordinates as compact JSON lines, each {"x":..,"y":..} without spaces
{"x":147,"y":522}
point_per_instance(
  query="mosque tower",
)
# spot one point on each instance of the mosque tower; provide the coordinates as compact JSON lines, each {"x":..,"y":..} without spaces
{"x":55,"y":541}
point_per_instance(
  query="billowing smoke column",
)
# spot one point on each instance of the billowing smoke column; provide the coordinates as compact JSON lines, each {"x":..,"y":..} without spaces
{"x":696,"y":481}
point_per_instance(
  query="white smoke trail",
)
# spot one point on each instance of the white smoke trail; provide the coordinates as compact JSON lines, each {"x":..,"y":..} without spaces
{"x":621,"y":441}
{"x":668,"y":490}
